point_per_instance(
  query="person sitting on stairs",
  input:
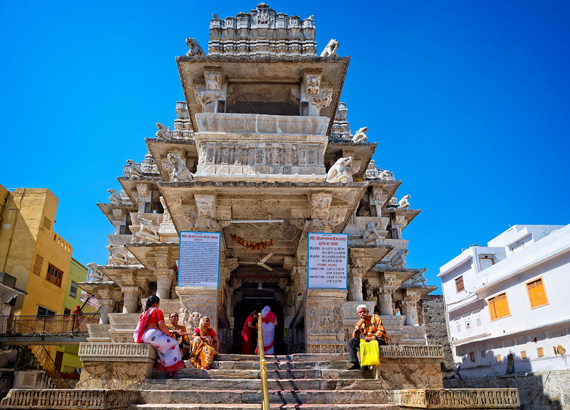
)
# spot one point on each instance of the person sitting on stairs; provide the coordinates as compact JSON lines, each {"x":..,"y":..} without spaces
{"x":369,"y":327}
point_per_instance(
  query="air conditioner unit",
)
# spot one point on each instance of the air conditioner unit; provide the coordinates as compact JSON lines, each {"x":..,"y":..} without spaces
{"x":27,"y":379}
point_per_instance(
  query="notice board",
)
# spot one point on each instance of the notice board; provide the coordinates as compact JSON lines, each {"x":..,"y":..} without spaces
{"x":328,"y":261}
{"x":199,"y":259}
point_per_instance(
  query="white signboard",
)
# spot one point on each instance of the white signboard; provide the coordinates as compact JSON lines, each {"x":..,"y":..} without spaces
{"x":199,"y":259}
{"x":328,"y":261}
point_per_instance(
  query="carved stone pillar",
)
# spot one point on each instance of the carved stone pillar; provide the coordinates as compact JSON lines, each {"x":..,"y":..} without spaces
{"x":131,"y":295}
{"x":409,"y":307}
{"x":323,"y":321}
{"x":164,"y":277}
{"x":106,"y":308}
{"x":202,"y":300}
{"x":386,"y":290}
{"x":355,"y":284}
{"x":144,"y":197}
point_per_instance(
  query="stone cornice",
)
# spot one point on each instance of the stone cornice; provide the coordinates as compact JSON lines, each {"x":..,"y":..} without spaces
{"x":70,"y":399}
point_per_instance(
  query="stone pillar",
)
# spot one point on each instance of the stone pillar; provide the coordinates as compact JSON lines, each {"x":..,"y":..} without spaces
{"x":355,"y":284}
{"x":106,"y":308}
{"x":131,"y":296}
{"x":202,"y":300}
{"x":409,"y":307}
{"x":164,"y":277}
{"x":323,"y":321}
{"x":385,"y":302}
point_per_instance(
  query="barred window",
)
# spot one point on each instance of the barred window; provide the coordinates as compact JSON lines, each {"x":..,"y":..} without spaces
{"x":73,"y":289}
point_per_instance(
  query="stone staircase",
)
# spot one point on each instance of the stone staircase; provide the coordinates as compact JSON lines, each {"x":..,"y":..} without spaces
{"x":305,"y":381}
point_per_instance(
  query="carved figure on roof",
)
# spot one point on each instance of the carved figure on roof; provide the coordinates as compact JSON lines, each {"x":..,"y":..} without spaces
{"x":387,"y":175}
{"x":330,"y":49}
{"x":418,"y":277}
{"x":195,"y":49}
{"x":399,"y":259}
{"x":117,"y":255}
{"x":370,"y":233}
{"x":147,"y":230}
{"x":132,"y":169}
{"x":360,"y":135}
{"x":94,"y":274}
{"x":339,"y":172}
{"x":404,"y":202}
{"x":115,"y":197}
{"x":163,"y":132}
{"x":178,"y":170}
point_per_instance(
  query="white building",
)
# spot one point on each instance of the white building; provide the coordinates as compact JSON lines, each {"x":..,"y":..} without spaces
{"x":511,"y":298}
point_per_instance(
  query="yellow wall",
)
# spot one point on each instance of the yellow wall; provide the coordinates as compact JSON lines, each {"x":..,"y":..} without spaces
{"x":22,"y":237}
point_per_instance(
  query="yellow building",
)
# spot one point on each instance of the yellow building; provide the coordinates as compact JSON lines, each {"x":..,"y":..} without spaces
{"x":32,"y":252}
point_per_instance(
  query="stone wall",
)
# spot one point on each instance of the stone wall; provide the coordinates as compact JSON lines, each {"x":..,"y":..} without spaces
{"x":431,"y":313}
{"x":537,"y":390}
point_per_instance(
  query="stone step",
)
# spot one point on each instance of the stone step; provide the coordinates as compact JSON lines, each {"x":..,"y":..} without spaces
{"x":253,"y":384}
{"x":185,"y":406}
{"x":281,"y":365}
{"x":296,"y":357}
{"x":281,"y":397}
{"x":271,"y":374}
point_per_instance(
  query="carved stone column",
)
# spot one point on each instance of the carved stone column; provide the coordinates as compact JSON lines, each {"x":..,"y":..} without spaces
{"x":131,"y":295}
{"x":164,"y":277}
{"x":386,"y":290}
{"x":106,"y":308}
{"x":355,"y":284}
{"x":323,"y":321}
{"x":202,"y":300}
{"x":409,"y":307}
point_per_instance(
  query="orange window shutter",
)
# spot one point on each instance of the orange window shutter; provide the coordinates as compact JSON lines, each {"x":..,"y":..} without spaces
{"x":505,"y":304}
{"x":492,"y":308}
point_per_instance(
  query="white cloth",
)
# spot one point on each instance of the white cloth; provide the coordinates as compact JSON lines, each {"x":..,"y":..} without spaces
{"x":268,"y":336}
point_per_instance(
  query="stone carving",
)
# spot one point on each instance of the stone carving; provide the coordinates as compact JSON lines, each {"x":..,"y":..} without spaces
{"x":313,"y":83}
{"x":70,"y":399}
{"x":429,"y":351}
{"x":132,"y":169}
{"x":94,"y":349}
{"x":320,"y":206}
{"x":193,"y":322}
{"x":147,"y":231}
{"x":500,"y":398}
{"x":399,"y":259}
{"x":319,"y":101}
{"x":183,"y":316}
{"x":195,"y":49}
{"x":93,"y":273}
{"x":370,"y":233}
{"x":418,"y":278}
{"x":166,"y":217}
{"x":330,"y":49}
{"x":404,"y":202}
{"x":163,"y":132}
{"x":178,"y":170}
{"x":386,"y":175}
{"x":325,"y":319}
{"x":205,"y":205}
{"x":115,"y":197}
{"x":339,"y":171}
{"x":360,"y":135}
{"x":118,"y":255}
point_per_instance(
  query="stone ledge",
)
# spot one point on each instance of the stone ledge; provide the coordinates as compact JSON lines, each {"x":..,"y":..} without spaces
{"x":455,"y":398}
{"x":69,"y":399}
{"x":131,"y":352}
{"x":397,"y":352}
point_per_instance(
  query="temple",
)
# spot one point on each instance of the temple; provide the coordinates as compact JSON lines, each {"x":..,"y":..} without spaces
{"x":261,"y":151}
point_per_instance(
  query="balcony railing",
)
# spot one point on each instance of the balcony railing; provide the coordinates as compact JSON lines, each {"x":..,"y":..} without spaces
{"x":46,"y":325}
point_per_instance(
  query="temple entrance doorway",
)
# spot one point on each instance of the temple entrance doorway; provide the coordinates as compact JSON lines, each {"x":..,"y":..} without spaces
{"x":256,"y":299}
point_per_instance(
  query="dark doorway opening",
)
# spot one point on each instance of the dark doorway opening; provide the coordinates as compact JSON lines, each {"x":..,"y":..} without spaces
{"x":257,"y":302}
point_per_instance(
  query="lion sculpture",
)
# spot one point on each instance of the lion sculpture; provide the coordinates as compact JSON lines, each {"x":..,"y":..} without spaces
{"x":360,"y":135}
{"x":404,"y":202}
{"x":163,"y":132}
{"x":330,"y":49}
{"x":339,"y":171}
{"x":195,"y":49}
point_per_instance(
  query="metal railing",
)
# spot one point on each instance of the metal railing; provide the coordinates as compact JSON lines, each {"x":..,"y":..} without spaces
{"x":46,"y":325}
{"x":263,"y":366}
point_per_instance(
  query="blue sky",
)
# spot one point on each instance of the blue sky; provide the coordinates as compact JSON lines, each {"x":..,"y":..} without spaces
{"x":468,"y":101}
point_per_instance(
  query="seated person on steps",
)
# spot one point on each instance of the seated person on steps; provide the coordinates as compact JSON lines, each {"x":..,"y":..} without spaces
{"x":369,"y":327}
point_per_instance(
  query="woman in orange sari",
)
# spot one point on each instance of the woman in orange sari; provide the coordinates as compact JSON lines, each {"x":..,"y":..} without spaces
{"x":205,"y":345}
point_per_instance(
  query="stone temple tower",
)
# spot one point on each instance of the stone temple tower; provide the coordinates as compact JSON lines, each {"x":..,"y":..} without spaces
{"x":261,"y":152}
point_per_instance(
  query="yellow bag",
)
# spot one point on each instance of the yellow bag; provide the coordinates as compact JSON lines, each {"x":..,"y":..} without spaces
{"x":369,"y":353}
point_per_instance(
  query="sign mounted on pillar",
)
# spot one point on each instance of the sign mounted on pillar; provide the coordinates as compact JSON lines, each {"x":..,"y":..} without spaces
{"x":327,"y":266}
{"x":199,"y":259}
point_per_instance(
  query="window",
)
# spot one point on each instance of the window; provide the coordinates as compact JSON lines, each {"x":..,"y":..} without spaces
{"x":517,"y":247}
{"x":54,"y":275}
{"x":482,"y":353}
{"x":73,"y":289}
{"x":459,"y":284}
{"x":66,"y":311}
{"x":486,"y":262}
{"x":472,"y":356}
{"x":46,"y":223}
{"x":458,"y":327}
{"x":38,"y":262}
{"x":523,"y":354}
{"x":42,"y":311}
{"x":536,"y":293}
{"x":498,"y":306}
{"x":540,"y":352}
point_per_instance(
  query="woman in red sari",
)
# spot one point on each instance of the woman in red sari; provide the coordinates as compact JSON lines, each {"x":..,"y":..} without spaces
{"x":249,"y":334}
